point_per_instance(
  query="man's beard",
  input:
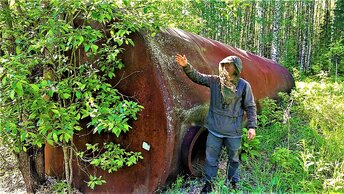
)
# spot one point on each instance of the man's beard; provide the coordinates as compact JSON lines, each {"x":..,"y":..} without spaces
{"x":228,"y":87}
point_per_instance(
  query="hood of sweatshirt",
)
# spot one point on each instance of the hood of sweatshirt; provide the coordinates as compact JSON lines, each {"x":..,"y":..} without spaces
{"x":228,"y":87}
{"x":231,"y":59}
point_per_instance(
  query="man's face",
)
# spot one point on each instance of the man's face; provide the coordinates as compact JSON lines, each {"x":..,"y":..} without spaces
{"x":230,"y":68}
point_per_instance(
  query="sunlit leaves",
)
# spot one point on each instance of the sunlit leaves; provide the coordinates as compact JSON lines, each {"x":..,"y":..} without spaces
{"x":250,"y":148}
{"x":114,"y":157}
{"x":18,"y":88}
{"x":95,"y":181}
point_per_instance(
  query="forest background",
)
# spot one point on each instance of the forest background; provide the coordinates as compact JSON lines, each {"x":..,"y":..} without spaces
{"x":299,"y":147}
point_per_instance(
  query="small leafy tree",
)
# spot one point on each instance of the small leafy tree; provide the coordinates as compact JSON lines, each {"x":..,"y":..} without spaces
{"x":335,"y":55}
{"x":48,"y":88}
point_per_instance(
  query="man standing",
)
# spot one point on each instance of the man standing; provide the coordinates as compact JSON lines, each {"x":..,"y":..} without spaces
{"x":230,"y":97}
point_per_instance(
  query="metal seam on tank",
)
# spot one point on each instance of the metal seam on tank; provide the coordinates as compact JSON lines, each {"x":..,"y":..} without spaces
{"x":167,"y":62}
{"x":154,"y":50}
{"x":163,"y":85}
{"x":168,"y":67}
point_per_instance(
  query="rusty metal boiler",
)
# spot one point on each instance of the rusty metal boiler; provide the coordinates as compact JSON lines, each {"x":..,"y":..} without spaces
{"x":169,"y":130}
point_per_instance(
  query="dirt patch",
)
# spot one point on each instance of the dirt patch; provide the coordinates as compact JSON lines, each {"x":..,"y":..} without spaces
{"x":11,"y":180}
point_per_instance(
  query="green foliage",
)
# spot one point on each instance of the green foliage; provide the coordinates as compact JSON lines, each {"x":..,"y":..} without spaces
{"x":285,"y":159}
{"x":273,"y":121}
{"x":56,"y":61}
{"x":60,"y":187}
{"x":338,"y":22}
{"x":221,"y":185}
{"x":322,"y":102}
{"x":178,"y":182}
{"x":182,"y":184}
{"x":308,"y":139}
{"x":271,"y":113}
{"x":95,"y":181}
{"x":330,"y":60}
{"x":250,"y":148}
{"x":177,"y":185}
{"x":70,"y":85}
{"x":113,"y":157}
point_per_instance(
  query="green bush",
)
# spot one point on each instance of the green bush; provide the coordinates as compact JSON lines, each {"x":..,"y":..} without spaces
{"x":249,"y":148}
{"x":323,"y":103}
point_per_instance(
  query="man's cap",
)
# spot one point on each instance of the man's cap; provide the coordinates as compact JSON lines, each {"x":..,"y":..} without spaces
{"x":235,"y":60}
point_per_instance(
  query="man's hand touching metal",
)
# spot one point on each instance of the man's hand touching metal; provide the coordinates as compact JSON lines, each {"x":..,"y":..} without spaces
{"x":181,"y":60}
{"x":251,"y":133}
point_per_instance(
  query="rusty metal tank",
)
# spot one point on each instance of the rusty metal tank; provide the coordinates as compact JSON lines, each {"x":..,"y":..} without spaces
{"x":174,"y":109}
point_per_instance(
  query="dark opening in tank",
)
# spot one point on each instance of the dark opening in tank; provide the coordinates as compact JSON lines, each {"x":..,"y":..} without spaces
{"x":193,"y":150}
{"x":198,"y":152}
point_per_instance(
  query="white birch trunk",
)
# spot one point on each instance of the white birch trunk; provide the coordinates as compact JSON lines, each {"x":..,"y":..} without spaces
{"x":304,"y":41}
{"x":275,"y":54}
{"x":303,"y":52}
{"x":287,"y":28}
{"x":260,"y":28}
{"x":310,"y":36}
{"x":247,"y":27}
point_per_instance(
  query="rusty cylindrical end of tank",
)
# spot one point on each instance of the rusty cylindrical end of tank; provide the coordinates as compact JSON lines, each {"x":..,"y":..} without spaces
{"x":193,"y":150}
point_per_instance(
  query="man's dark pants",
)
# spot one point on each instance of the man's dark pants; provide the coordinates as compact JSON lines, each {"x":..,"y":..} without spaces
{"x":213,"y":150}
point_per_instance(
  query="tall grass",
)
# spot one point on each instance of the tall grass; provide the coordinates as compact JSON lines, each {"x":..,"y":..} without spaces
{"x":301,"y":144}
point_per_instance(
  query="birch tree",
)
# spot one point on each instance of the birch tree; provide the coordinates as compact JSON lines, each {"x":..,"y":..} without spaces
{"x":275,"y":54}
{"x":311,"y":32}
{"x":303,"y":31}
{"x":260,"y":27}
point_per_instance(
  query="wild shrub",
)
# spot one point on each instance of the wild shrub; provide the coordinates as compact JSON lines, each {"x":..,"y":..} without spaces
{"x":300,"y":136}
{"x":322,"y":147}
{"x":249,"y":148}
{"x":285,"y":159}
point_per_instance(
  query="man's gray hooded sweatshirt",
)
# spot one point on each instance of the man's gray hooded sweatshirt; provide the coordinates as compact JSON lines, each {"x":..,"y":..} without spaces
{"x":227,"y":103}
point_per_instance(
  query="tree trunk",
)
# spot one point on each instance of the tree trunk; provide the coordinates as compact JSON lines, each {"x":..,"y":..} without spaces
{"x":5,"y":6}
{"x":304,"y":39}
{"x":68,"y":155}
{"x":286,"y":30}
{"x":275,"y":54}
{"x":299,"y":33}
{"x":310,"y":36}
{"x":31,"y":162}
{"x":336,"y":61}
{"x":240,"y":28}
{"x":39,"y":164}
{"x":31,"y":166}
{"x":247,"y":27}
{"x":260,"y":27}
{"x":1,"y":52}
{"x":214,"y":27}
{"x":252,"y":31}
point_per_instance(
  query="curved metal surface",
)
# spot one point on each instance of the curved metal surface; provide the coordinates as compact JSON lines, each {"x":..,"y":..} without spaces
{"x":193,"y":150}
{"x":173,"y":104}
